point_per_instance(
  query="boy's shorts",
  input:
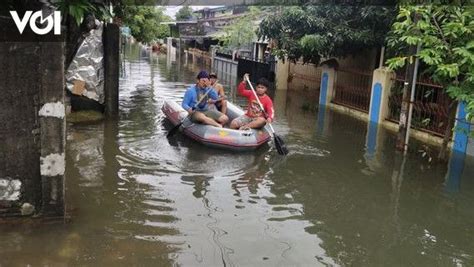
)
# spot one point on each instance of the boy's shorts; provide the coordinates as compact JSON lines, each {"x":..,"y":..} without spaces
{"x":211,"y":113}
{"x":244,"y":120}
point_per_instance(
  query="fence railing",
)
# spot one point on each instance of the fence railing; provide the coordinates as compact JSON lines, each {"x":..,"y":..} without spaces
{"x":352,"y":88}
{"x":430,"y":105}
{"x":203,"y":58}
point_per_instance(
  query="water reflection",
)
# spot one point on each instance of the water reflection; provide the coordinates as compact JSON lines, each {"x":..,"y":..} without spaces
{"x":342,"y":197}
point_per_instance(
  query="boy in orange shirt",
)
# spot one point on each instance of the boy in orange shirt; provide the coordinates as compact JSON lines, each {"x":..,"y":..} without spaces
{"x":255,"y":117}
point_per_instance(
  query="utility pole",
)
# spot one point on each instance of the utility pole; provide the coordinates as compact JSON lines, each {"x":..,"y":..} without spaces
{"x":403,"y":123}
{"x":412,"y":96}
{"x":408,"y":85}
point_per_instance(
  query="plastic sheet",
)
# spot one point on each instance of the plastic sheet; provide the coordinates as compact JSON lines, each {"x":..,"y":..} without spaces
{"x":85,"y":75}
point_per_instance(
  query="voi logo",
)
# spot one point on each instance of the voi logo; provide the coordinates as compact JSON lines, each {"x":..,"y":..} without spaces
{"x":53,"y":21}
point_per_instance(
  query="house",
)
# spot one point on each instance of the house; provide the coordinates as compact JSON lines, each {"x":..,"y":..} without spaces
{"x":203,"y":32}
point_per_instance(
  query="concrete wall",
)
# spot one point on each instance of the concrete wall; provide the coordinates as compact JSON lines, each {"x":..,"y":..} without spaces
{"x":32,"y":127}
{"x":365,"y":60}
{"x":304,"y":77}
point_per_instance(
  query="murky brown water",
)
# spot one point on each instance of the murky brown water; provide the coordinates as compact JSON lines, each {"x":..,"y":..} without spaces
{"x":137,"y":199}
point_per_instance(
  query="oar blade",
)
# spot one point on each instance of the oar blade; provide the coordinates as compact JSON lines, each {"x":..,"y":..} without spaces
{"x":280,"y":145}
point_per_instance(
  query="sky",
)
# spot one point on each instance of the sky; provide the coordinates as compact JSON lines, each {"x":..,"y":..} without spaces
{"x":172,"y":10}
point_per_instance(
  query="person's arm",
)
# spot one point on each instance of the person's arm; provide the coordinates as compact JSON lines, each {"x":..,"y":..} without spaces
{"x":187,"y":101}
{"x":212,"y":94}
{"x":242,"y":91}
{"x":268,"y":106}
{"x":221,"y":91}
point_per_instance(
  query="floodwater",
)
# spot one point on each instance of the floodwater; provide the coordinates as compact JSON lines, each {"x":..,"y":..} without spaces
{"x":342,"y":197}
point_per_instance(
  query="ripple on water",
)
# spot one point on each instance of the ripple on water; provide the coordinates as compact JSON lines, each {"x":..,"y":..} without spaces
{"x":307,"y":150}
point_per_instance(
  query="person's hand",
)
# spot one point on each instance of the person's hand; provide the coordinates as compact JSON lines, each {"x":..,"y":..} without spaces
{"x":246,"y":77}
{"x":211,"y":101}
{"x":269,"y":120}
{"x":191,"y":110}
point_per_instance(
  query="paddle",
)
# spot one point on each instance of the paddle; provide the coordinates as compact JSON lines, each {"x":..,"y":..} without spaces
{"x":175,"y":128}
{"x":279,"y":144}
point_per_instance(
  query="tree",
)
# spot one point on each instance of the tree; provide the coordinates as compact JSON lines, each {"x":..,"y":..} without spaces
{"x":184,"y":13}
{"x":446,"y":36}
{"x":144,"y":22}
{"x":321,"y":31}
{"x":241,"y":32}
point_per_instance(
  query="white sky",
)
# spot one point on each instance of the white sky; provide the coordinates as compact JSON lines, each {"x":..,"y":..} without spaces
{"x":172,"y":10}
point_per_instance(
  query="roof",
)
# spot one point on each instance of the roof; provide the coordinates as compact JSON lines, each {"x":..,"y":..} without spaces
{"x":214,"y":9}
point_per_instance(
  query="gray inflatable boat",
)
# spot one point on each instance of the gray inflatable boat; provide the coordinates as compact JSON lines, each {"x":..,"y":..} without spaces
{"x":217,"y":137}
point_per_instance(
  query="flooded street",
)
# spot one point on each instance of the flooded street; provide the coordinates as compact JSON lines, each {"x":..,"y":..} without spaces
{"x":137,"y":198}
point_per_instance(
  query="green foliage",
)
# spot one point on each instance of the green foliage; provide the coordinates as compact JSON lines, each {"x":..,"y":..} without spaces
{"x":144,"y":22}
{"x":77,"y":9}
{"x":242,"y":31}
{"x":446,"y":34}
{"x":317,"y":31}
{"x":184,"y":13}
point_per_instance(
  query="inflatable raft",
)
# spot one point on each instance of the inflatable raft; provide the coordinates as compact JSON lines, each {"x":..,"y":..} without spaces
{"x":217,"y":137}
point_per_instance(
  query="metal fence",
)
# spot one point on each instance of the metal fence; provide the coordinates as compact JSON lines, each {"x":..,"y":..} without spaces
{"x":257,"y":69}
{"x":430,"y":105}
{"x":304,"y":77}
{"x":224,"y":66}
{"x":352,"y":89}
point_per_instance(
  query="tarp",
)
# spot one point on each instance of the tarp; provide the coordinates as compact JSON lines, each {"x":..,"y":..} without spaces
{"x":85,"y":75}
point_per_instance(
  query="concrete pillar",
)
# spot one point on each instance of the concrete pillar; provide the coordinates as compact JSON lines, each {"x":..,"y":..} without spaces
{"x":52,"y":127}
{"x":170,"y":51}
{"x":111,"y":39}
{"x":169,"y":44}
{"x":213,"y":54}
{"x":328,"y":77}
{"x":374,"y":138}
{"x":455,"y":170}
{"x":323,"y":122}
{"x":279,"y":103}
{"x":260,"y":52}
{"x":282,"y":72}
{"x":381,"y":85}
{"x":462,"y":128}
{"x":470,"y":143}
{"x":20,"y":181}
{"x":173,"y":53}
{"x":254,"y":51}
{"x":378,"y":110}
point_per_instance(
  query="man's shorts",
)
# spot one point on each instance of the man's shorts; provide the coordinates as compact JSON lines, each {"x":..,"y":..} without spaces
{"x":211,"y":113}
{"x":244,"y":120}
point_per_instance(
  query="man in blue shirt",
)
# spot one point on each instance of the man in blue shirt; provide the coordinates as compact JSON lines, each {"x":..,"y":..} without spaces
{"x":201,"y":113}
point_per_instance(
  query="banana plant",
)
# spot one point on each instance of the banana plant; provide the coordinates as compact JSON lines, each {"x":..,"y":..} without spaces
{"x":77,"y":9}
